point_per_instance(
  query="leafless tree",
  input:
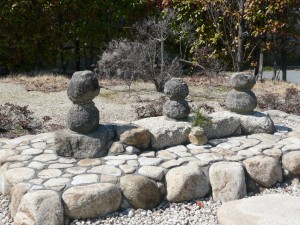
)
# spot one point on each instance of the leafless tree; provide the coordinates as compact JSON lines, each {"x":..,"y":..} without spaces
{"x":145,"y":58}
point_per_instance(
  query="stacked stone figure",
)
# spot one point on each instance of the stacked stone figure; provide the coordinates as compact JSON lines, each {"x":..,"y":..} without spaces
{"x":241,"y":99}
{"x":83,"y":117}
{"x":177,"y":107}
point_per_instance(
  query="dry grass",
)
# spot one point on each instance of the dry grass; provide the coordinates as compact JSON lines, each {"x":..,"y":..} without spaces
{"x":45,"y":83}
{"x":275,"y":87}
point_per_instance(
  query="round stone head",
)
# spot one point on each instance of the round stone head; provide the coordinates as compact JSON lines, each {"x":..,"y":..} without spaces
{"x":83,"y":87}
{"x":176,"y":89}
{"x":242,"y":81}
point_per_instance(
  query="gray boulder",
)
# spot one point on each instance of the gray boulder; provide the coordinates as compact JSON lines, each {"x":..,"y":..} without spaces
{"x":264,"y":170}
{"x":176,"y":109}
{"x":223,"y":124}
{"x":92,"y":145}
{"x":92,"y":200}
{"x":83,"y":118}
{"x":261,"y":210}
{"x":186,"y":183}
{"x":291,"y":162}
{"x":165,"y":132}
{"x":41,"y":207}
{"x":256,"y":122}
{"x":83,"y":87}
{"x":241,"y":101}
{"x":140,"y":192}
{"x":227,"y":181}
{"x":242,"y":81}
{"x":176,"y":89}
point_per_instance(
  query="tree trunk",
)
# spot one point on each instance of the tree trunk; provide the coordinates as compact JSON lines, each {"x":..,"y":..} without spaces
{"x":283,"y":64}
{"x":240,"y":50}
{"x":77,"y":54}
{"x":261,"y":63}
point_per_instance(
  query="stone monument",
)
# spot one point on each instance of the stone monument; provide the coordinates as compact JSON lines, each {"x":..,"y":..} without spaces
{"x":241,"y":99}
{"x":177,"y":107}
{"x":85,"y":138}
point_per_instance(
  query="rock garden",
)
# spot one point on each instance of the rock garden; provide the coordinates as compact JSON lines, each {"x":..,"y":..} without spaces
{"x":90,"y":170}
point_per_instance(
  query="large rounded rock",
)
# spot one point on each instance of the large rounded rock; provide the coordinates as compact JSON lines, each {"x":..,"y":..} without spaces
{"x":261,"y":210}
{"x":227,"y":181}
{"x":241,"y":101}
{"x":83,"y":87}
{"x":16,"y":195}
{"x":165,"y":132}
{"x":138,"y":137}
{"x":176,"y":89}
{"x":91,"y":200}
{"x":40,"y":207}
{"x":264,"y":170}
{"x":141,"y":192}
{"x":186,"y":183}
{"x":291,"y":162}
{"x":242,"y":81}
{"x":176,"y":109}
{"x":82,"y":146}
{"x":83,"y":118}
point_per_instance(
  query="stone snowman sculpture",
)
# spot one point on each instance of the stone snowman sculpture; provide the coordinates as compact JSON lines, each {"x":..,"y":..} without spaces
{"x":241,"y":99}
{"x":84,"y":138}
{"x":177,"y":107}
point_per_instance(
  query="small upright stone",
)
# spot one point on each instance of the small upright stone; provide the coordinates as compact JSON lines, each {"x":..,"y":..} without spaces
{"x":177,"y":107}
{"x":241,"y":100}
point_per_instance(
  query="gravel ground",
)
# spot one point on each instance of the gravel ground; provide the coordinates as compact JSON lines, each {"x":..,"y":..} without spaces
{"x":187,"y":213}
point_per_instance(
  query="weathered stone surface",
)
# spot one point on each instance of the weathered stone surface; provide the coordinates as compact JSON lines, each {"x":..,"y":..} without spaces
{"x":106,"y":169}
{"x":91,"y":200}
{"x":141,"y":192}
{"x":49,"y":173}
{"x":241,"y":101}
{"x":242,"y":81}
{"x":16,"y":194}
{"x":176,"y":109}
{"x":92,"y":145}
{"x":132,"y":150}
{"x":152,"y":172}
{"x":45,"y":157}
{"x":144,"y":161}
{"x":186,"y":183}
{"x":176,"y":89}
{"x":227,"y":181}
{"x":210,"y":157}
{"x":138,"y":137}
{"x":261,"y":210}
{"x":264,"y":170}
{"x":41,"y":207}
{"x":83,"y":87}
{"x":197,"y":139}
{"x":291,"y":162}
{"x":127,"y":168}
{"x":165,"y":132}
{"x":57,"y":184}
{"x":83,"y":118}
{"x":163,"y":154}
{"x":257,"y":122}
{"x":85,"y":179}
{"x":76,"y":170}
{"x":223,"y":124}
{"x":89,"y":162}
{"x":116,"y":148}
{"x":197,"y":131}
{"x":15,"y":176}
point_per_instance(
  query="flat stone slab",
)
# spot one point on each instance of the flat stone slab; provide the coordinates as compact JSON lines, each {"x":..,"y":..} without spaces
{"x":272,"y":209}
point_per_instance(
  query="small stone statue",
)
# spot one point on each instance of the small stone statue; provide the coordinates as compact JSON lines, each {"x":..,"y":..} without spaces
{"x":241,"y":99}
{"x":83,"y":117}
{"x":177,"y":107}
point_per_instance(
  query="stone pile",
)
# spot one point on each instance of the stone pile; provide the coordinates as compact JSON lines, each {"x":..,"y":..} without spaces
{"x":83,"y":117}
{"x":197,"y":136}
{"x":241,"y":99}
{"x":85,"y":138}
{"x":177,"y":107}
